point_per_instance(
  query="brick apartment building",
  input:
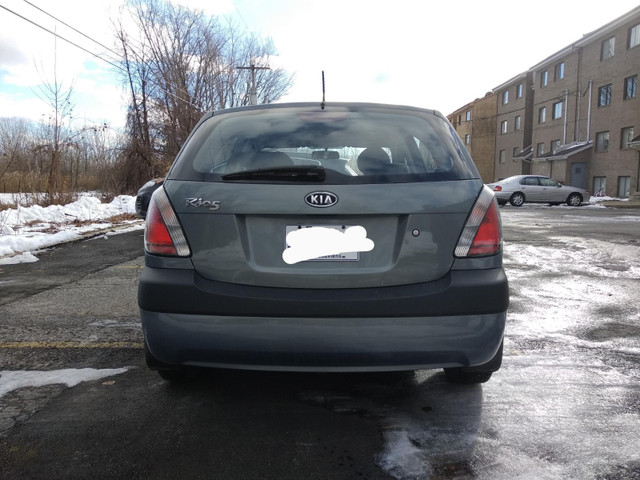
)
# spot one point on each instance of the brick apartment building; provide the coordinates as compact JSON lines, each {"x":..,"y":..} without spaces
{"x":575,"y":116}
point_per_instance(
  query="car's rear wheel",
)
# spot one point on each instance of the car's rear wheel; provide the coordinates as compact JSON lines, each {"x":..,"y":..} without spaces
{"x":478,"y":374}
{"x":467,"y":378}
{"x":517,"y":199}
{"x":175,"y":375}
{"x":575,"y":200}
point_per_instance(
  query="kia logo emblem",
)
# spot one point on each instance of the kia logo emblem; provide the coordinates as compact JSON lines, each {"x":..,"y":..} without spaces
{"x":321,"y":199}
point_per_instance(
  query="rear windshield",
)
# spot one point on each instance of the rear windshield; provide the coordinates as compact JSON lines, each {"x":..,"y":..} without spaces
{"x":346,"y":144}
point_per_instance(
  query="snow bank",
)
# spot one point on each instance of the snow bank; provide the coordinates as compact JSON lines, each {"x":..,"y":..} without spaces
{"x":24,"y":230}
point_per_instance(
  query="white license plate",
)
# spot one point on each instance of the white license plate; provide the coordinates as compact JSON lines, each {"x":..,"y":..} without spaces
{"x":342,"y":256}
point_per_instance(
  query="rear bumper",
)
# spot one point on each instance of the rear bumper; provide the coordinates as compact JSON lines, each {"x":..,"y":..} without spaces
{"x":458,"y":321}
{"x":323,"y":344}
{"x":502,"y":196}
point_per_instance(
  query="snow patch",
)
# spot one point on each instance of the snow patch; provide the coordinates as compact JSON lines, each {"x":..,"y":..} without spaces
{"x":13,"y":380}
{"x":23,"y":258}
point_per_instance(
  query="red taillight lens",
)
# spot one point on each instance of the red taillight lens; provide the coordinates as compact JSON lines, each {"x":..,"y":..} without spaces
{"x":163,"y":234}
{"x":488,"y":239}
{"x":497,"y":188}
{"x":482,"y":234}
{"x":157,"y":239}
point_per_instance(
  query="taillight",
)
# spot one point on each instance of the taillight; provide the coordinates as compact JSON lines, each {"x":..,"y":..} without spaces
{"x":163,"y":234}
{"x":497,"y":188}
{"x":482,"y":234}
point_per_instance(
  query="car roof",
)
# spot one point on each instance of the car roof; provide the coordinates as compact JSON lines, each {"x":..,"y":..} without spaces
{"x":327,"y":106}
{"x":514,"y":177}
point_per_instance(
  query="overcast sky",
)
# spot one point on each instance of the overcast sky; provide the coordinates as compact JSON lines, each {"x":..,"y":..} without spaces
{"x":430,"y":54}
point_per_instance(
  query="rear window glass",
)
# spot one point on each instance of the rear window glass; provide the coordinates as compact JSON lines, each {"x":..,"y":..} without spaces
{"x":350,"y":144}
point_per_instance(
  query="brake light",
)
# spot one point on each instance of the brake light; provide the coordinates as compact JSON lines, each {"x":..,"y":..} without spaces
{"x":163,"y":234}
{"x":482,"y":234}
{"x":497,"y":188}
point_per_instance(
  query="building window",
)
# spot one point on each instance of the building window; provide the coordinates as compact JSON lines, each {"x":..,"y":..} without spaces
{"x":516,"y":153}
{"x":559,"y":71}
{"x":630,"y":87}
{"x":504,"y":127}
{"x":468,"y":116}
{"x":544,"y":78}
{"x":505,"y":97}
{"x":502,"y":156}
{"x":634,"y":36}
{"x":467,"y":139}
{"x":626,"y":135}
{"x":519,"y":91}
{"x":602,"y":142}
{"x":608,"y":48}
{"x":604,"y":96}
{"x":542,"y":115}
{"x":555,"y":145}
{"x":599,"y":186}
{"x":624,"y":184}
{"x":540,"y":149}
{"x":459,"y":119}
{"x":557,"y":110}
{"x":518,"y":123}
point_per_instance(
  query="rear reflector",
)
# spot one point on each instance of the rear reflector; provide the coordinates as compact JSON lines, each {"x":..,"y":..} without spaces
{"x":482,"y":234}
{"x":163,"y":234}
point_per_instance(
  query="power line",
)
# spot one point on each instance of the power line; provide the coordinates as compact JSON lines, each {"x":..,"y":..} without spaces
{"x":55,"y":34}
{"x":120,"y":57}
{"x":72,"y":28}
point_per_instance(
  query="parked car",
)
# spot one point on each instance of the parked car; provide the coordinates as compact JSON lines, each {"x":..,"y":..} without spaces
{"x":536,"y":189}
{"x":144,"y":195}
{"x":380,"y":252}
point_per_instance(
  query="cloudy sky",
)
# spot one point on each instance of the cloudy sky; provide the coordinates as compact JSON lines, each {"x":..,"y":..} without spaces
{"x":438,"y":55}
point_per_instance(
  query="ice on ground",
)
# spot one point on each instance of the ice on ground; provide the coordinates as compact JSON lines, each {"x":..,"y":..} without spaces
{"x":564,"y":416}
{"x":13,"y":380}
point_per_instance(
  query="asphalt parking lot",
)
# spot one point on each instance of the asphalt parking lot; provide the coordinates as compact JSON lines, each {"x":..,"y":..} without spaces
{"x":76,"y":400}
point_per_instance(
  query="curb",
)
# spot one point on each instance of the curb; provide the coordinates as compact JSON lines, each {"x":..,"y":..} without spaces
{"x":615,"y":204}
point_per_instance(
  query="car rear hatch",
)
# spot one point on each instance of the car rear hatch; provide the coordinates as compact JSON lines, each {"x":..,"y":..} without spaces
{"x":344,"y":196}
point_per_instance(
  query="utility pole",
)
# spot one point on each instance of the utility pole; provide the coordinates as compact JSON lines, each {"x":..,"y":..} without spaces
{"x":253,"y":96}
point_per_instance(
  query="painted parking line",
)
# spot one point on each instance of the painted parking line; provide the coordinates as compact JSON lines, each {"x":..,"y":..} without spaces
{"x":69,"y":345}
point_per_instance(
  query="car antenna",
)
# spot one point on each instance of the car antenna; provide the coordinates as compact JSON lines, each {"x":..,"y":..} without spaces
{"x":322,"y":104}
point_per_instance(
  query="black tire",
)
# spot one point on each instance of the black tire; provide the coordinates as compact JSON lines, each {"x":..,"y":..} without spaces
{"x":517,"y":199}
{"x":466,"y":378}
{"x":176,"y":375}
{"x":574,"y":199}
{"x":478,"y":374}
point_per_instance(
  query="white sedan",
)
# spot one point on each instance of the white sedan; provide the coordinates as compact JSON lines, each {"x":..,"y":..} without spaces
{"x":537,"y":189}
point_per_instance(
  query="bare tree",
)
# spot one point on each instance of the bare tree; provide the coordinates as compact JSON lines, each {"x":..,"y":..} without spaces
{"x":180,"y":65}
{"x":58,"y":97}
{"x":15,"y":142}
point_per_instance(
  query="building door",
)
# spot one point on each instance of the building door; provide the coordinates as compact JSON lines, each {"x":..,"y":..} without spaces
{"x":578,"y":176}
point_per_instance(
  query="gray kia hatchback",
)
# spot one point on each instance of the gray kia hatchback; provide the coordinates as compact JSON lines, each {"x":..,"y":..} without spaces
{"x":333,"y":238}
